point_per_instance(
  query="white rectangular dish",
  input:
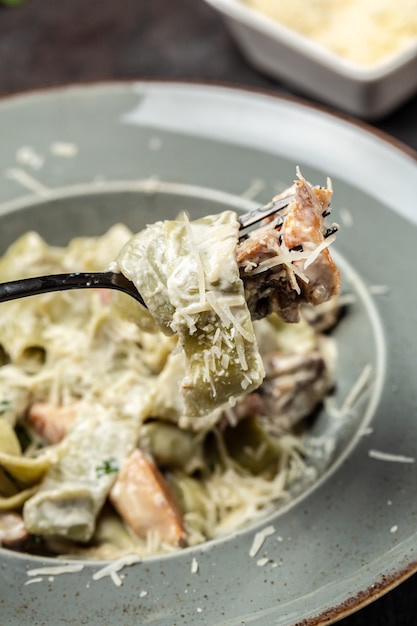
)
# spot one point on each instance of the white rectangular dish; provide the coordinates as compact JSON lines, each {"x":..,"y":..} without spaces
{"x":370,"y":91}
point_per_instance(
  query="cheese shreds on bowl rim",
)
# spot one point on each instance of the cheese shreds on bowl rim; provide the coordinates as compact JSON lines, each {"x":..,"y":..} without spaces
{"x":37,"y":579}
{"x":56,"y":570}
{"x":114,"y":568}
{"x":392,"y":458}
{"x":259,"y":539}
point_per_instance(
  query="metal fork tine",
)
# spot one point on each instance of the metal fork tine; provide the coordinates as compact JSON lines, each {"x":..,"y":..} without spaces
{"x":260,"y":213}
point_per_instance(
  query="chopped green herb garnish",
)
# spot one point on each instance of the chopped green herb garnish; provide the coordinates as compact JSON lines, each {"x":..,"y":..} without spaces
{"x":5,"y":406}
{"x":109,"y":466}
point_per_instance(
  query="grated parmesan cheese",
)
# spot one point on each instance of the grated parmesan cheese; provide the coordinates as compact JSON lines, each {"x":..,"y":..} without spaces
{"x":56,"y":570}
{"x":379,"y":290}
{"x":64,"y":149}
{"x":346,"y":217}
{"x":27,"y":181}
{"x":324,"y":244}
{"x":365,"y":32}
{"x":254,"y":189}
{"x":391,"y":458}
{"x":114,"y":568}
{"x":353,"y":397}
{"x":28,"y":156}
{"x":259,"y":540}
{"x":38,"y":579}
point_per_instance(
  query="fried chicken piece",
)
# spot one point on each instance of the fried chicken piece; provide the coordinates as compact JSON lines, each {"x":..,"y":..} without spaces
{"x":13,"y":533}
{"x":286,"y":261}
{"x":52,"y":422}
{"x":145,"y":501}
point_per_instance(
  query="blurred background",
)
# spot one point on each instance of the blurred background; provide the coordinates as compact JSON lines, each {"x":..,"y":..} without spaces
{"x":45,"y":43}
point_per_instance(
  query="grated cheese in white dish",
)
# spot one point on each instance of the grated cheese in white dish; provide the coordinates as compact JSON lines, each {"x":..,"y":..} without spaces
{"x":364,"y":32}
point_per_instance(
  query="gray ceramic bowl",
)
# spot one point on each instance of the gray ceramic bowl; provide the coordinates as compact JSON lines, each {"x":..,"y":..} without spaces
{"x":77,"y":160}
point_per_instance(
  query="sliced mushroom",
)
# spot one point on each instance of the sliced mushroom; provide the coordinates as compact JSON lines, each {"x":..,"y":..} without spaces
{"x":293,"y":387}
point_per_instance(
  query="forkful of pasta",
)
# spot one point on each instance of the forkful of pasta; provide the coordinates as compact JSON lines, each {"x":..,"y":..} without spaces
{"x":281,"y":250}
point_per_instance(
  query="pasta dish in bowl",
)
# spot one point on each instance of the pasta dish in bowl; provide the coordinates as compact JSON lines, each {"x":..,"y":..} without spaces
{"x":143,"y":430}
{"x":145,"y":160}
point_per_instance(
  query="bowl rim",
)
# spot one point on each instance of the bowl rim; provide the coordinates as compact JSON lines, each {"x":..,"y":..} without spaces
{"x":405,"y":569}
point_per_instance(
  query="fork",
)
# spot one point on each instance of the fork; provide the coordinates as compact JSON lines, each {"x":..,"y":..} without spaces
{"x":32,"y":286}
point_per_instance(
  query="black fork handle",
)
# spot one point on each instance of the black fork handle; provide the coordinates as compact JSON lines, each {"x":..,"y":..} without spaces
{"x":25,"y":287}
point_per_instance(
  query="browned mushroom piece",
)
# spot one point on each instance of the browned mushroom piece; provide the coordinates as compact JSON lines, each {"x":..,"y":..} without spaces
{"x":293,"y":386}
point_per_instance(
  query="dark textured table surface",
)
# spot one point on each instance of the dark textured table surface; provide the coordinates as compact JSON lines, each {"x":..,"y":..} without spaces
{"x":44,"y":43}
